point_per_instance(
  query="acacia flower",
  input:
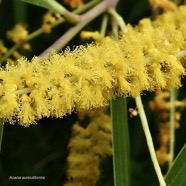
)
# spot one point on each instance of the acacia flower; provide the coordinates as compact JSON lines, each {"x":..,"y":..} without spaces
{"x":3,"y":49}
{"x":88,"y":146}
{"x":145,"y":58}
{"x":74,"y":3}
{"x":166,"y":5}
{"x":18,"y":33}
{"x":48,"y":19}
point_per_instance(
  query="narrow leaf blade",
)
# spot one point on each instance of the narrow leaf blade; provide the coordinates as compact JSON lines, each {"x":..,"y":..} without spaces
{"x":1,"y":132}
{"x":48,"y":4}
{"x":120,"y":142}
{"x":176,"y":176}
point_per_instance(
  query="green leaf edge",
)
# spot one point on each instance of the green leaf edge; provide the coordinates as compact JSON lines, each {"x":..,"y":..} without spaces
{"x":176,"y":176}
{"x":120,"y":142}
{"x":48,"y":4}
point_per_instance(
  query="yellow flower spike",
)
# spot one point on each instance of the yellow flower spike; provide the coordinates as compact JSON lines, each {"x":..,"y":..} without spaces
{"x":166,"y":5}
{"x":39,"y":104}
{"x":18,"y":33}
{"x":3,"y":49}
{"x":94,"y":35}
{"x":79,"y":131}
{"x":171,"y":18}
{"x":9,"y":106}
{"x":49,"y":18}
{"x":80,"y":143}
{"x":1,"y":89}
{"x":144,"y":58}
{"x":46,"y":28}
{"x":85,"y":97}
{"x":183,"y":30}
{"x":17,"y":55}
{"x":74,"y":3}
{"x":87,"y":148}
{"x":26,"y":46}
{"x":26,"y":114}
{"x":158,"y":79}
{"x":56,"y":105}
{"x":181,"y":13}
{"x":145,"y":23}
{"x":175,"y":69}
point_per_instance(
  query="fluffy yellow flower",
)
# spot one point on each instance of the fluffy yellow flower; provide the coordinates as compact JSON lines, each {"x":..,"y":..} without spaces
{"x":166,"y":5}
{"x":18,"y":33}
{"x":94,"y":35}
{"x":145,"y":58}
{"x":48,"y":19}
{"x":88,"y":146}
{"x":74,"y":3}
{"x":3,"y":49}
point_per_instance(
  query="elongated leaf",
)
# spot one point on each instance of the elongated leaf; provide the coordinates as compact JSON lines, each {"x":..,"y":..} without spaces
{"x":48,"y":4}
{"x":176,"y":176}
{"x":120,"y":143}
{"x":1,"y":132}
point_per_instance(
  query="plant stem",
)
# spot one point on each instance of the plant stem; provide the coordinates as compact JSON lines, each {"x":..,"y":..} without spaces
{"x":40,"y":30}
{"x":120,"y":142}
{"x":172,"y":127}
{"x":104,"y":25}
{"x":20,"y":13}
{"x":23,"y":91}
{"x":10,"y":51}
{"x":181,"y":54}
{"x":118,"y":18}
{"x":85,"y":19}
{"x":56,"y":7}
{"x":120,"y":133}
{"x":149,"y":141}
{"x":87,"y":6}
{"x":1,"y":132}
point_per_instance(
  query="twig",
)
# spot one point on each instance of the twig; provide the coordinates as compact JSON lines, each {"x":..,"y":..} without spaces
{"x":149,"y":141}
{"x":172,"y":127}
{"x":118,"y":19}
{"x":1,"y":132}
{"x":56,"y":7}
{"x":40,"y":31}
{"x":104,"y":25}
{"x":85,"y":19}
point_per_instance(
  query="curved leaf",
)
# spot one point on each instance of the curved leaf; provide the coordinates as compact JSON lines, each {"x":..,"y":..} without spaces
{"x":48,"y":4}
{"x":176,"y":176}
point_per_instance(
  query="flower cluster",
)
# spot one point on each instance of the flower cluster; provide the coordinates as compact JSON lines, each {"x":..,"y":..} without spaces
{"x":48,"y":20}
{"x":18,"y":33}
{"x":161,"y":105}
{"x":3,"y":49}
{"x":147,"y":57}
{"x":88,"y":146}
{"x":165,"y":5}
{"x":74,"y":3}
